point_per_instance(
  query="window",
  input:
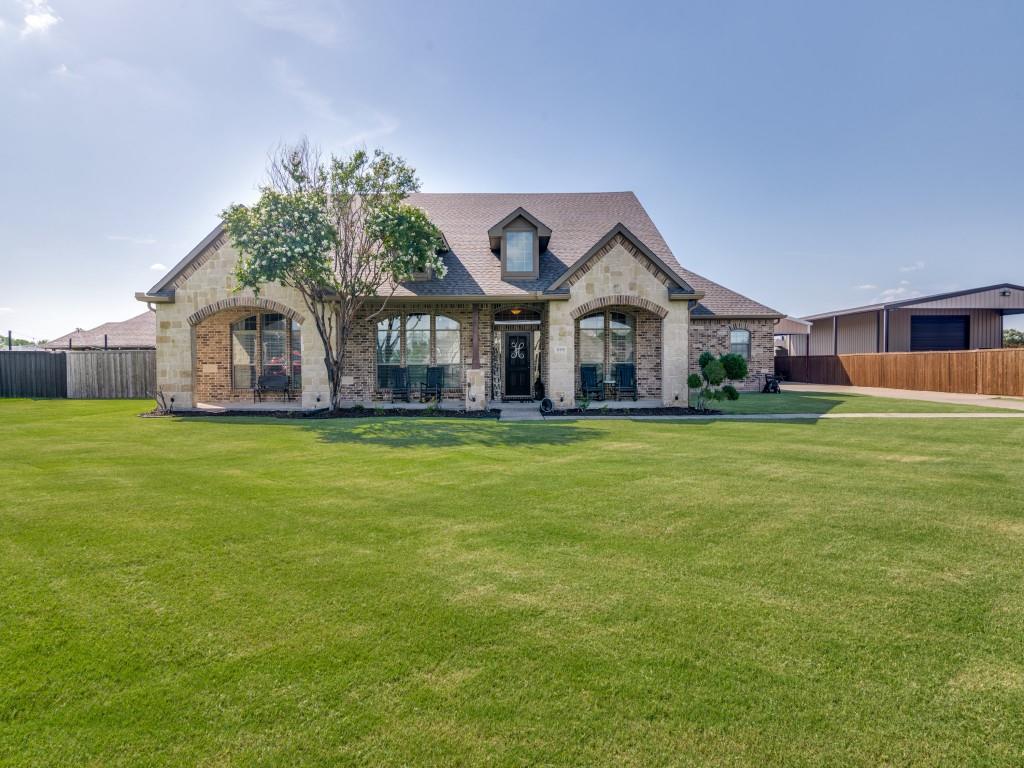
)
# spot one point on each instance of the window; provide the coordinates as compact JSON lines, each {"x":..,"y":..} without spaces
{"x":446,"y":347}
{"x":592,"y":342}
{"x":621,"y":338}
{"x":265,"y":344}
{"x":519,"y":252}
{"x":619,"y":329}
{"x":243,"y":353}
{"x":417,"y":341}
{"x":274,"y":345}
{"x":417,"y":347}
{"x":389,"y":349}
{"x":739,"y":343}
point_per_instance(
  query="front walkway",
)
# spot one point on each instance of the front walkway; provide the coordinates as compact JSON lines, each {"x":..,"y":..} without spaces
{"x":954,"y":398}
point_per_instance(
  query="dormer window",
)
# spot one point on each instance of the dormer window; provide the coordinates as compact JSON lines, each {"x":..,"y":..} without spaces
{"x":519,"y":239}
{"x":519,"y":251}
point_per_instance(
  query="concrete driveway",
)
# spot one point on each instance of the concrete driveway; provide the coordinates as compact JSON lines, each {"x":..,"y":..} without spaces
{"x":990,"y":401}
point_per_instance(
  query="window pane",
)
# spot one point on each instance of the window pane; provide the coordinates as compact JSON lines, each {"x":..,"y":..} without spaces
{"x":623,"y":338}
{"x":296,"y":356}
{"x":592,"y":342}
{"x":417,"y":340}
{"x":739,"y":343}
{"x":275,"y":352}
{"x":243,"y":353}
{"x":389,"y":341}
{"x":519,"y":251}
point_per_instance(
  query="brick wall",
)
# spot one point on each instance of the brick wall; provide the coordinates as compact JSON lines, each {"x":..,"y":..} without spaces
{"x":713,"y":336}
{"x":361,"y":350}
{"x":647,"y":352}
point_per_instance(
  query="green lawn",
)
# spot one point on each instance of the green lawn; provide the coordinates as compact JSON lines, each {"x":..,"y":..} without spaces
{"x":829,"y":402}
{"x":419,"y":592}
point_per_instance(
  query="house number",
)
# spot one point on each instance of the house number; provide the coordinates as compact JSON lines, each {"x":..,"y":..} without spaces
{"x":517,"y":350}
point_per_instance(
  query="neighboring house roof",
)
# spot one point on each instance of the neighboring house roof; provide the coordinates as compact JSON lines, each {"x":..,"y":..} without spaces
{"x":789,"y":326}
{"x":905,"y":303}
{"x":138,"y":332}
{"x":22,"y":348}
{"x":577,"y":222}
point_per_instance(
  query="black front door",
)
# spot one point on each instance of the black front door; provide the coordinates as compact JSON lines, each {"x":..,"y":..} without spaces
{"x":517,"y":365}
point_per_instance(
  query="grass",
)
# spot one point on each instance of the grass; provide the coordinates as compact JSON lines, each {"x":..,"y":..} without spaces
{"x":829,"y":402}
{"x":282,"y":592}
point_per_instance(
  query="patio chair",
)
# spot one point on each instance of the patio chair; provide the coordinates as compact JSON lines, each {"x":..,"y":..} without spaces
{"x":771,"y":384}
{"x":433,"y":386}
{"x":271,"y":382}
{"x":400,"y":384}
{"x":590,"y":383}
{"x":625,"y":381}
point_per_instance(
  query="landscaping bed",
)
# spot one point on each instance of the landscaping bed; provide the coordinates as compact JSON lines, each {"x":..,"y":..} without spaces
{"x":342,"y":413}
{"x":662,"y":411}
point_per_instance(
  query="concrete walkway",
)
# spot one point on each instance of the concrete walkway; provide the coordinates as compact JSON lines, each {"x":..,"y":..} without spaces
{"x":989,"y":401}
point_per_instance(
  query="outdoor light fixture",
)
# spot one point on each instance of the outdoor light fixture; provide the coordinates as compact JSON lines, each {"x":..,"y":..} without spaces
{"x":517,"y":311}
{"x":1004,"y":292}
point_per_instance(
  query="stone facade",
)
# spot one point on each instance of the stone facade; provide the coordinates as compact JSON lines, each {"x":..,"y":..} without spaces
{"x":194,"y":344}
{"x":617,"y":276}
{"x":713,"y":336}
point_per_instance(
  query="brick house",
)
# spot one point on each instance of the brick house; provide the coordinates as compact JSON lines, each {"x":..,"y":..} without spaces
{"x":537,"y":285}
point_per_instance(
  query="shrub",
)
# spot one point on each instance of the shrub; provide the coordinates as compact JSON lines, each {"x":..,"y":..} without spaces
{"x":713,"y":372}
{"x":735,"y":366}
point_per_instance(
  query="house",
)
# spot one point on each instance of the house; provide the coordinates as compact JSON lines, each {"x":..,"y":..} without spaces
{"x":138,"y":332}
{"x":790,"y":332}
{"x":969,"y":319}
{"x":537,"y":285}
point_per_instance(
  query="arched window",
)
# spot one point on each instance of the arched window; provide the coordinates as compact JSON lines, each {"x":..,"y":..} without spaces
{"x":619,"y":331}
{"x":739,"y":342}
{"x":265,"y":343}
{"x":592,"y":342}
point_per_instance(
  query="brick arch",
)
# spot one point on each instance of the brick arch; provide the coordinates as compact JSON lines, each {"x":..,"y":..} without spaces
{"x":237,"y":302}
{"x":618,"y":301}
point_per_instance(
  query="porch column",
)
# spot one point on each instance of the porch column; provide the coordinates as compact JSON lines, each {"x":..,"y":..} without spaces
{"x":561,"y":385}
{"x":675,"y":354}
{"x":476,"y":397}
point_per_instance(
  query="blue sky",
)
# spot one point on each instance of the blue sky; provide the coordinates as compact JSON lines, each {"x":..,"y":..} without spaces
{"x":811,"y":155}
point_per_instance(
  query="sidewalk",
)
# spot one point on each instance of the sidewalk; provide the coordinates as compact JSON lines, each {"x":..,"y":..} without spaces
{"x":990,"y":401}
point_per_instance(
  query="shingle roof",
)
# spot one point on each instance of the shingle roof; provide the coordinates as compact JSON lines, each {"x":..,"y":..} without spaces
{"x":138,"y":332}
{"x":577,"y":221}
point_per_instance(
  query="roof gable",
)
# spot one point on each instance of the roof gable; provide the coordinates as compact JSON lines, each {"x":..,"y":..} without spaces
{"x":638,"y":250}
{"x":543,"y":230}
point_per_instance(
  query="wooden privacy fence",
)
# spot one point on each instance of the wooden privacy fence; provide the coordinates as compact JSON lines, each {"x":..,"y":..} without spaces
{"x":33,"y":374}
{"x":111,"y":374}
{"x":93,"y":374}
{"x":980,"y":371}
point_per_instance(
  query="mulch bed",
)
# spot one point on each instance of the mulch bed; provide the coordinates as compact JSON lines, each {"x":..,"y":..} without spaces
{"x":665,"y":411}
{"x":343,"y":413}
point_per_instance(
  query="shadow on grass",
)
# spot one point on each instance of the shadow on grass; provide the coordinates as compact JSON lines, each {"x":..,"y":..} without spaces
{"x":428,"y":433}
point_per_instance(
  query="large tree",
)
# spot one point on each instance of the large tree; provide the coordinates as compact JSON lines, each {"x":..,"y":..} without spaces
{"x":339,"y":233}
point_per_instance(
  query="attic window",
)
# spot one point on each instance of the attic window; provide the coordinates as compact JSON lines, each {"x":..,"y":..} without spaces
{"x":519,"y":251}
{"x":520,"y":238}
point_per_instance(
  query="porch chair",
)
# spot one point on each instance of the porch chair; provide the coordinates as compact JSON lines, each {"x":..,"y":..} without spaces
{"x":771,"y":384}
{"x":590,"y":383}
{"x":434,"y":384}
{"x":625,"y":380}
{"x":400,"y":384}
{"x":271,"y":382}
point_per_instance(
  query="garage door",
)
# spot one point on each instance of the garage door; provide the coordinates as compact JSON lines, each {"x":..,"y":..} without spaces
{"x":939,"y":332}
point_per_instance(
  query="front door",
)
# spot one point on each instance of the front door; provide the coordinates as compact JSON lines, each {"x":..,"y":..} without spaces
{"x":517,"y":365}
